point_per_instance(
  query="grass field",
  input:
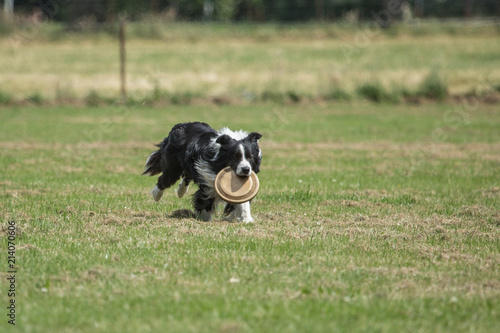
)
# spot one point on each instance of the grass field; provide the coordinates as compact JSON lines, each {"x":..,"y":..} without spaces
{"x":370,"y":218}
{"x":248,"y":62}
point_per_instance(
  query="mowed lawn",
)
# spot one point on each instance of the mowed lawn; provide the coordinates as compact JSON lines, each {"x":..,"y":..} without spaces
{"x":370,"y":218}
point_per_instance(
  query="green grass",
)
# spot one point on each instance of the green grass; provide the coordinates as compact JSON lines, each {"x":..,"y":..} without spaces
{"x":369,"y":218}
{"x":434,"y":87}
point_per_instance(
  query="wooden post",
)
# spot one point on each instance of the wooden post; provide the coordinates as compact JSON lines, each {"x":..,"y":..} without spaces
{"x":155,"y":8}
{"x":468,"y":6}
{"x":123,"y":77}
{"x":419,"y":8}
{"x":318,"y":4}
{"x":8,"y":9}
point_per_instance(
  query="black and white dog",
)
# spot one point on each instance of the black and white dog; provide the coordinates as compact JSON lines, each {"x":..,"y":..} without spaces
{"x":196,"y":152}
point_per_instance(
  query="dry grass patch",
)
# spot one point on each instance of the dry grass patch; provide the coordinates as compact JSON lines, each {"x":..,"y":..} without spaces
{"x":246,"y":68}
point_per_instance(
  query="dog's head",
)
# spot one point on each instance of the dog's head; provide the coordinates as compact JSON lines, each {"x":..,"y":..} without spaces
{"x":243,"y":156}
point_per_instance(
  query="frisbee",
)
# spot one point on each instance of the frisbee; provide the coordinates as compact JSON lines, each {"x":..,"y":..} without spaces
{"x":236,"y":189}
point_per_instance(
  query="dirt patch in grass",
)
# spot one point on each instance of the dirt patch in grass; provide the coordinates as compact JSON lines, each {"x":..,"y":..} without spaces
{"x":27,"y":247}
{"x":109,"y":120}
{"x":124,"y":217}
{"x":490,"y":193}
{"x":356,"y":203}
{"x":84,"y":144}
{"x":25,"y":192}
{"x":487,"y":151}
{"x":444,"y":150}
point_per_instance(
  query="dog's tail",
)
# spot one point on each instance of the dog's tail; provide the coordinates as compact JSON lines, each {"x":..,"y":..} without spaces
{"x":153,"y":165}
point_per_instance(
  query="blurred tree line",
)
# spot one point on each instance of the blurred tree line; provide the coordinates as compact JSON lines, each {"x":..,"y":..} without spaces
{"x":256,"y":10}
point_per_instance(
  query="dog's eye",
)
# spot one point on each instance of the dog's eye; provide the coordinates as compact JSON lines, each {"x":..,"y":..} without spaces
{"x":238,"y":155}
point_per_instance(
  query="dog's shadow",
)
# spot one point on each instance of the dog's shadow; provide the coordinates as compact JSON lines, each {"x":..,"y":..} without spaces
{"x":182,"y":214}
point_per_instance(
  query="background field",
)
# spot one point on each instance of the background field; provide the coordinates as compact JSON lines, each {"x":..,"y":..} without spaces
{"x":372,"y":217}
{"x":249,"y":62}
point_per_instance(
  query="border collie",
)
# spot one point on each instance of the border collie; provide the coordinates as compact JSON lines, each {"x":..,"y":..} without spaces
{"x":196,"y":152}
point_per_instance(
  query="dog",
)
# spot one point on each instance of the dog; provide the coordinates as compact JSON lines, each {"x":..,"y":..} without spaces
{"x":196,"y":152}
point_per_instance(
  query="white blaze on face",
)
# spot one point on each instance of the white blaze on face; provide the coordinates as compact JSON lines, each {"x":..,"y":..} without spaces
{"x":244,"y":168}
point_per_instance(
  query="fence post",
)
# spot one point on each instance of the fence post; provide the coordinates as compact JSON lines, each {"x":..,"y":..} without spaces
{"x":123,"y":78}
{"x":8,"y":8}
{"x":319,"y":9}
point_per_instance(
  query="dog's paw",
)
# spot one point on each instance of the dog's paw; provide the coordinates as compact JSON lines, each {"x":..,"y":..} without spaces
{"x":205,"y":216}
{"x":246,"y":219}
{"x":182,"y":190}
{"x":156,"y":193}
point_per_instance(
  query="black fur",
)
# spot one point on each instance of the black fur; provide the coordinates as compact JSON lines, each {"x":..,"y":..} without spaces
{"x":196,"y":152}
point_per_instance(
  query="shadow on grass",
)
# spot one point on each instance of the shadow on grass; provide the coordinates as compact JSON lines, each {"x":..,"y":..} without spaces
{"x":182,"y":214}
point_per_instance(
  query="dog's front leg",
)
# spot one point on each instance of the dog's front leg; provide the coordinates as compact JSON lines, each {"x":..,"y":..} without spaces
{"x":204,"y":215}
{"x":245,"y":215}
{"x":203,"y":207}
{"x":239,"y":212}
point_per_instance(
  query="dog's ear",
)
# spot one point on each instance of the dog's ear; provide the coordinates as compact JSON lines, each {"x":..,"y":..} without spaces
{"x":224,"y":139}
{"x":254,"y":136}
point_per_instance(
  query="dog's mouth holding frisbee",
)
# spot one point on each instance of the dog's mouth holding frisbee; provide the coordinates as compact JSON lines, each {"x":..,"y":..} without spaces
{"x":234,"y":188}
